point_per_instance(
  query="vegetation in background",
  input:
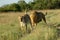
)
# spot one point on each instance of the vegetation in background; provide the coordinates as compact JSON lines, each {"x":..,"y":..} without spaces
{"x":21,"y":5}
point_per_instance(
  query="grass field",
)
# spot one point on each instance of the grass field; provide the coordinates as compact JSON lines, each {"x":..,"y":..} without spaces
{"x":10,"y":28}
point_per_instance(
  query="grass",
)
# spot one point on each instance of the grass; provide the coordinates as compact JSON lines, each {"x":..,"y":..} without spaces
{"x":10,"y":28}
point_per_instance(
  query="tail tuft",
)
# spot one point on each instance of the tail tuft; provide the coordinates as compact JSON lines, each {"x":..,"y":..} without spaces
{"x":45,"y":13}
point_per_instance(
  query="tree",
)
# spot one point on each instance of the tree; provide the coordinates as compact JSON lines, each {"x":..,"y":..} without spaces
{"x":22,"y":4}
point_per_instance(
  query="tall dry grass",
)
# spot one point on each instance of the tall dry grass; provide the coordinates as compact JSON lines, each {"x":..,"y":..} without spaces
{"x":10,"y":27}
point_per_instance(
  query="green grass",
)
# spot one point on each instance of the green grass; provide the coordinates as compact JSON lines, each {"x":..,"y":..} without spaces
{"x":10,"y":28}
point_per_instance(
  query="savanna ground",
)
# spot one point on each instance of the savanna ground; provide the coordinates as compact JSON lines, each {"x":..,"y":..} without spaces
{"x":10,"y":28}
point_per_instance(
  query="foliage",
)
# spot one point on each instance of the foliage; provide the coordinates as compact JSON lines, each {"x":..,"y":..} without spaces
{"x":21,"y":5}
{"x":10,"y":7}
